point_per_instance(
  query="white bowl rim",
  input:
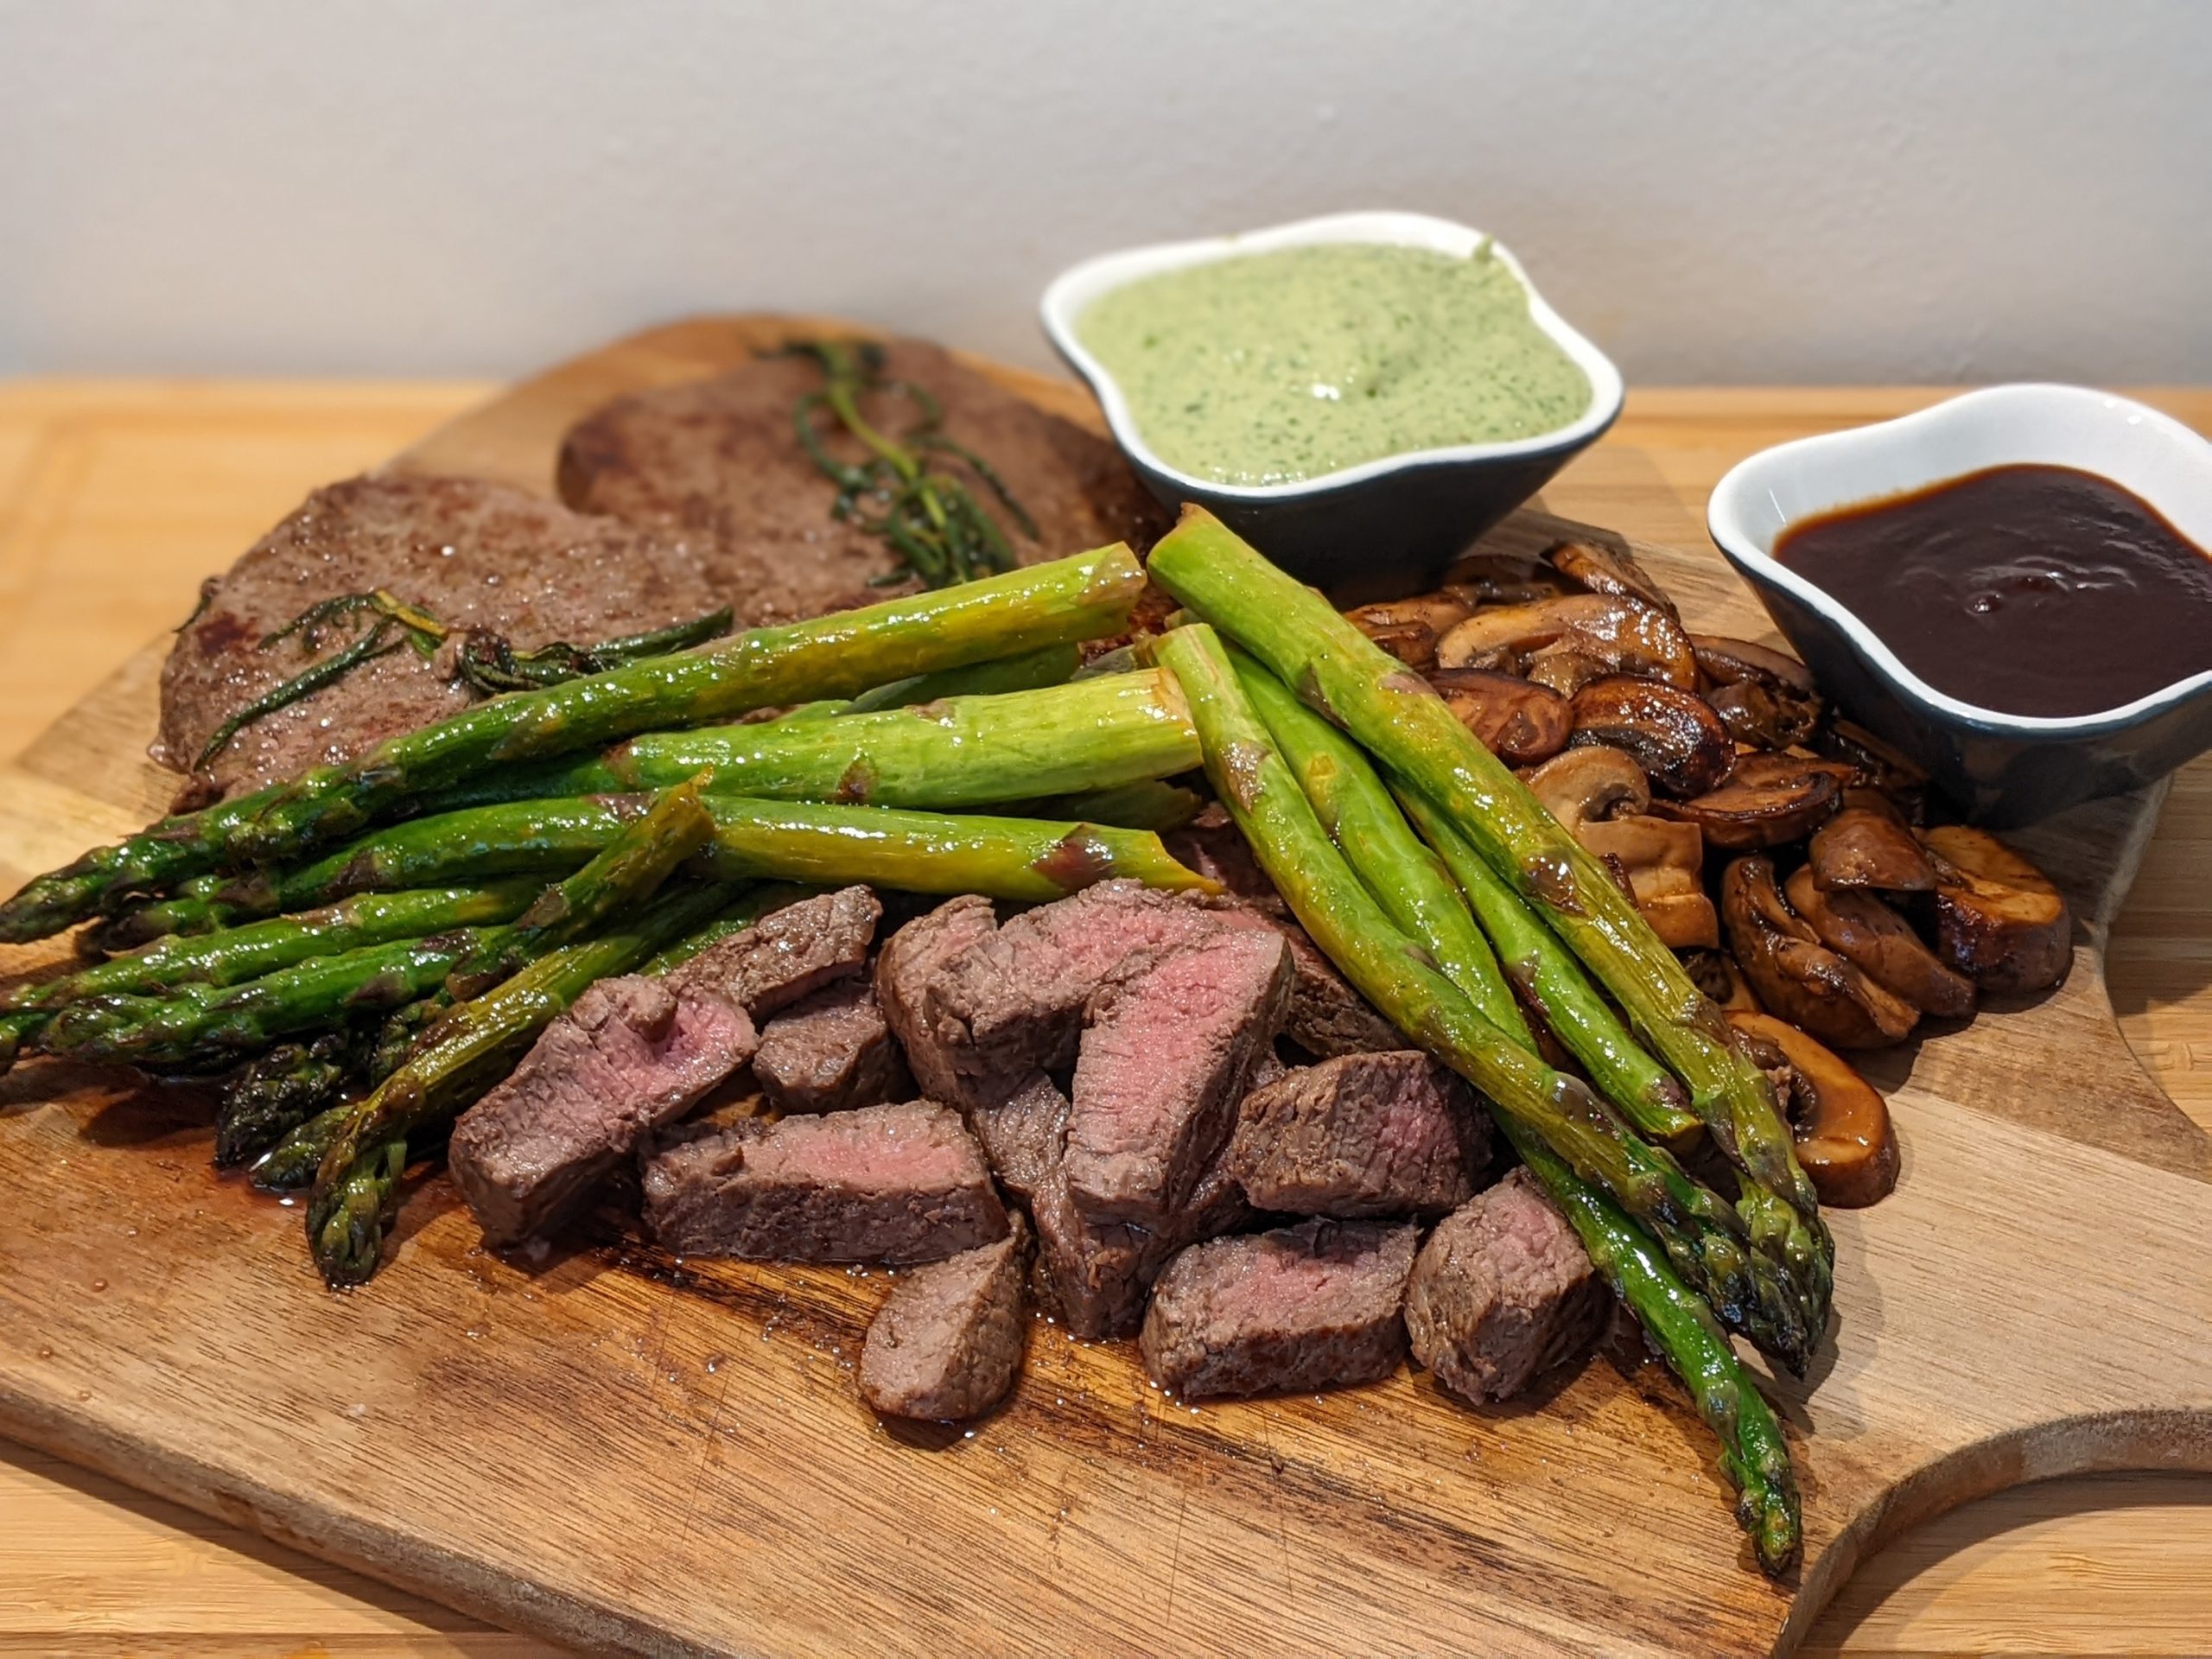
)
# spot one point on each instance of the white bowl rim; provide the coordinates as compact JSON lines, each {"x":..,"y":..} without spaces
{"x":1744,"y":482}
{"x":1075,"y":287}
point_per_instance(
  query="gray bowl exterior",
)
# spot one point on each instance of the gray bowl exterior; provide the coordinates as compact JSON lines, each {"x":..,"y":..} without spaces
{"x":1997,"y":778}
{"x":1379,"y":537}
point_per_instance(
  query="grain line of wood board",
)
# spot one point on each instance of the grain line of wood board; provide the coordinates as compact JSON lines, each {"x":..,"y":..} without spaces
{"x":1650,"y":485}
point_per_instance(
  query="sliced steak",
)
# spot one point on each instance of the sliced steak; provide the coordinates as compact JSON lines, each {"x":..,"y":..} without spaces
{"x":1363,"y":1134}
{"x":1326,"y":1016}
{"x":889,"y":1184}
{"x":475,"y":555}
{"x":831,"y":1052}
{"x":719,"y":461}
{"x":1163,"y":1065}
{"x":906,"y":968}
{"x":1503,"y":1291}
{"x":1013,"y":1001}
{"x":630,"y":1056}
{"x":788,"y":954}
{"x":946,"y":1345}
{"x":1023,"y":1135}
{"x":1096,"y":1273}
{"x":1311,"y":1307}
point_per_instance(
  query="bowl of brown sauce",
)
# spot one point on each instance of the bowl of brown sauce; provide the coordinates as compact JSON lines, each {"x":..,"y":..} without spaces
{"x":2014,"y":587}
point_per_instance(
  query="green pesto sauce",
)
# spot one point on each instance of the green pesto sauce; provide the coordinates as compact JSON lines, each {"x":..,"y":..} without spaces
{"x":1270,"y":368}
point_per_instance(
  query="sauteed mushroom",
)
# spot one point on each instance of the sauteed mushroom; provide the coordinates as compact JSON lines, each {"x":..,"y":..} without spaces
{"x":1768,"y":799}
{"x":1797,"y":976}
{"x":1764,"y":697}
{"x":1868,"y":844}
{"x":1586,"y":784}
{"x":1661,"y":862}
{"x":1727,"y":661}
{"x":1564,"y":669}
{"x":1718,"y":975}
{"x":1408,"y":628}
{"x":1604,"y":569}
{"x":1999,"y":919}
{"x":1500,"y":579}
{"x":1841,"y":1123}
{"x":1627,"y":636}
{"x":1881,"y":943}
{"x":1519,"y":722}
{"x":1886,"y":768}
{"x":1674,"y":735}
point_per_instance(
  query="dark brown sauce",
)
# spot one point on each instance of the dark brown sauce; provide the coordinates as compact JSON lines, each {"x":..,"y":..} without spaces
{"x":2031,"y":590}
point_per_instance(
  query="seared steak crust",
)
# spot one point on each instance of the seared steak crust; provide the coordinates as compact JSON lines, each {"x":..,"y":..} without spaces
{"x":1363,"y":1134}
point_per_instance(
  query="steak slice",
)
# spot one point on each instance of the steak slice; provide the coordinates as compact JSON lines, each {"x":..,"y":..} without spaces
{"x":889,"y":1184}
{"x":1503,"y":1291}
{"x":1023,"y":1135}
{"x":1306,"y":1307}
{"x":1326,"y":1016}
{"x":946,"y":1345}
{"x":1363,"y":1134}
{"x":474,"y":554}
{"x":1162,"y":1068}
{"x":1096,"y":1273}
{"x":789,"y":953}
{"x":831,"y":1052}
{"x":1013,"y":1002}
{"x":629,"y":1057}
{"x":719,"y":461}
{"x":908,"y":964}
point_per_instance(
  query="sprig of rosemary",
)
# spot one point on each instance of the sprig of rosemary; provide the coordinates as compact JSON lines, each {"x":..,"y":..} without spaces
{"x":929,"y":517}
{"x":485,"y":662}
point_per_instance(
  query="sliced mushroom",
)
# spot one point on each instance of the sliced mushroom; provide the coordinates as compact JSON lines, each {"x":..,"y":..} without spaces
{"x":1626,"y":635}
{"x":1585,"y":785}
{"x":1603,"y":570}
{"x":1998,"y":920}
{"x":1563,"y":669}
{"x":1765,"y":716}
{"x":1768,"y":799}
{"x":1797,"y":976}
{"x":1724,"y":660}
{"x":1880,"y":766}
{"x":1518,"y":722}
{"x":1718,"y":975}
{"x":1412,"y":644}
{"x":1501,"y":579}
{"x":1881,"y":943}
{"x":1841,"y":1122}
{"x":1868,"y":844}
{"x":1672,"y":734}
{"x":1439,"y":612}
{"x":1661,"y":861}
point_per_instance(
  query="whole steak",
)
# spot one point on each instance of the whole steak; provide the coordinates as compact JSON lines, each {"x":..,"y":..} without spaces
{"x":473,"y":554}
{"x":719,"y":461}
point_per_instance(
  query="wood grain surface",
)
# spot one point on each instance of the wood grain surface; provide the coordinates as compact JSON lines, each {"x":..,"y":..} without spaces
{"x":1649,"y":480}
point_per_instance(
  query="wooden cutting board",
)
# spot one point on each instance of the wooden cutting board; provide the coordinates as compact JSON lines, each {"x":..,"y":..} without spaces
{"x":617,"y":1449}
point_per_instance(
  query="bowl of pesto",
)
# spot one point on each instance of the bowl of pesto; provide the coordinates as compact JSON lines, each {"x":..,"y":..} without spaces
{"x":1359,"y":396}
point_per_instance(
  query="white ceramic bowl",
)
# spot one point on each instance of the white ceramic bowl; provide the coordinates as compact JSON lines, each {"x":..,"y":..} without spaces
{"x":2003,"y":769}
{"x":1384,"y":525}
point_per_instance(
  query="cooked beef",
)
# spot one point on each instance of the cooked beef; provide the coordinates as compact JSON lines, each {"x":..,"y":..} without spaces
{"x":1212,"y":845}
{"x":946,"y":1344}
{"x":1013,"y":1001}
{"x":1326,"y":1017}
{"x":889,"y":1184}
{"x":474,"y":554}
{"x":1363,"y":1134}
{"x":1311,"y":1307}
{"x":905,"y":969}
{"x":1267,"y":1068}
{"x":789,"y":953}
{"x":719,"y":459}
{"x":1163,"y":1065}
{"x":1501,"y":1292}
{"x":1023,"y":1135}
{"x":630,"y":1056}
{"x":831,"y":1052}
{"x":1096,"y":1273}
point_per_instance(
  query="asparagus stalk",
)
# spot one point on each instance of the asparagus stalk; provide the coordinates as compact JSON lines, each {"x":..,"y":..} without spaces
{"x":833,"y":656}
{"x":946,"y":755}
{"x":1156,"y":806}
{"x":276,"y":1093}
{"x":1701,"y":1233}
{"x":1408,"y":880}
{"x":1754,"y":1456}
{"x":263,"y":947}
{"x":1398,"y":718}
{"x":1046,"y":666}
{"x":1549,"y":976}
{"x":473,"y":1046}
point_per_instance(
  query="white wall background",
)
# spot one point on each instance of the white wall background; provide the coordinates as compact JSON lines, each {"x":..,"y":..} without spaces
{"x":1801,"y":189}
